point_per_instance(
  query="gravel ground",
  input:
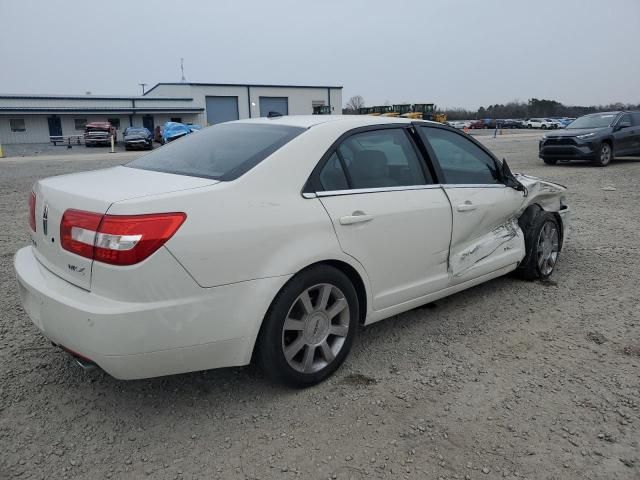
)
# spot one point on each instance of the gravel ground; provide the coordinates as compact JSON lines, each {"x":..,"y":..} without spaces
{"x":506,"y":380}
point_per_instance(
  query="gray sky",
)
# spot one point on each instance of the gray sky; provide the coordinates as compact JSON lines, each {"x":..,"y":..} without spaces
{"x":463,"y":53}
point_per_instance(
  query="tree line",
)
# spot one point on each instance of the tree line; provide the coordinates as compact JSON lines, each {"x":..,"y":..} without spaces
{"x":533,"y":108}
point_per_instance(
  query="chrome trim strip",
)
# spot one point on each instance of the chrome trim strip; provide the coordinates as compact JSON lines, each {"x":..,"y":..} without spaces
{"x":474,"y":185}
{"x":357,"y":191}
{"x":309,"y":195}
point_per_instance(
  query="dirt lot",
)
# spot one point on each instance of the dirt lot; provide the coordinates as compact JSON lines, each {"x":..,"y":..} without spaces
{"x":506,"y":380}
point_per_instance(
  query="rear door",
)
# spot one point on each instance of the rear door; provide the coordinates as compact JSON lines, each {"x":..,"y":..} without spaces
{"x":485,"y":235}
{"x":387,"y":213}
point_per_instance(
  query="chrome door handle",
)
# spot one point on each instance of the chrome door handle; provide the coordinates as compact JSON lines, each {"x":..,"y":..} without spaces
{"x":357,"y":217}
{"x":466,"y":207}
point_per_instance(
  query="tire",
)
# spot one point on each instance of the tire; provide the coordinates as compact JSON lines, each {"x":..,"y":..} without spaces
{"x":550,"y":161}
{"x":300,"y":342}
{"x":542,"y":244}
{"x":543,"y":127}
{"x":605,"y":155}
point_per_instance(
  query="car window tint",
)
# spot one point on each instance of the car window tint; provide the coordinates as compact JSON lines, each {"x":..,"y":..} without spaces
{"x":461,"y":161}
{"x":332,"y":176}
{"x":381,"y":158}
{"x":222,"y":152}
{"x":625,"y":118}
{"x":636,"y":119}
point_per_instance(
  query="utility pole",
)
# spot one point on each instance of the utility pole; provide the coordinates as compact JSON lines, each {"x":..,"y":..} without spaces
{"x":182,"y":70}
{"x":142,"y":85}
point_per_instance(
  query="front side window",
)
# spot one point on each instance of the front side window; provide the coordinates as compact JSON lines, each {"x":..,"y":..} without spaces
{"x":381,"y":158}
{"x":17,"y":125}
{"x":626,"y":118}
{"x":461,"y":161}
{"x":222,"y":152}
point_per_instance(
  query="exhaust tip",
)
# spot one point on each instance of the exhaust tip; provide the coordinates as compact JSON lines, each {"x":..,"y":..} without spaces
{"x":86,"y":365}
{"x":83,"y":362}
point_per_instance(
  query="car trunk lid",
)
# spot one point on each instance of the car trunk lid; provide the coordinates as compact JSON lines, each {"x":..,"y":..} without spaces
{"x":94,"y":192}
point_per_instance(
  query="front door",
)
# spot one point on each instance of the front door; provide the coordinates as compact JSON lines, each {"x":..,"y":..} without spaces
{"x":486,"y":236}
{"x":55,"y":126}
{"x":147,"y":122}
{"x":388,"y":215}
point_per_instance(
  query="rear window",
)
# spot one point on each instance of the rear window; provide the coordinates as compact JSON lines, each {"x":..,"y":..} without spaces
{"x":221,"y":152}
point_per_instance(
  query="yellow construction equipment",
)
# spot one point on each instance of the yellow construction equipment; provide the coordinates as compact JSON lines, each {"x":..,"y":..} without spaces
{"x":426,"y":111}
{"x":421,"y":111}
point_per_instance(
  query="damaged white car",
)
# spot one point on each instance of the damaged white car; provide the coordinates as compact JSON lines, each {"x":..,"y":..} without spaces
{"x":274,"y":239}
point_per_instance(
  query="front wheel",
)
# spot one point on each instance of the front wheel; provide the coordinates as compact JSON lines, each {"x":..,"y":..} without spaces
{"x":310,"y":327}
{"x":542,"y":246}
{"x":605,"y":155}
{"x":550,"y":161}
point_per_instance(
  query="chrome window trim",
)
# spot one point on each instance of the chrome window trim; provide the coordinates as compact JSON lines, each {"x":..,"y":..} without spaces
{"x":474,"y":185}
{"x":356,"y":191}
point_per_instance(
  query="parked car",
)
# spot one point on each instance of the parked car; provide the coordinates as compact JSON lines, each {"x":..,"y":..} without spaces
{"x":172,"y":131}
{"x":598,"y":137}
{"x":509,"y":123}
{"x":477,"y":124}
{"x":99,"y":133}
{"x":251,"y":240}
{"x":157,"y":134}
{"x":460,"y":124}
{"x":544,"y":123}
{"x":137,"y":137}
{"x":565,"y":121}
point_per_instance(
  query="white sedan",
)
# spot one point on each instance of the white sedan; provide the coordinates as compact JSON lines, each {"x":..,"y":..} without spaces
{"x":275,"y":239}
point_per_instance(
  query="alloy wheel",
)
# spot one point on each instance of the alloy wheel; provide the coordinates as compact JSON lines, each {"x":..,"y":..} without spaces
{"x":605,"y":154}
{"x":548,"y":248}
{"x":315,"y":328}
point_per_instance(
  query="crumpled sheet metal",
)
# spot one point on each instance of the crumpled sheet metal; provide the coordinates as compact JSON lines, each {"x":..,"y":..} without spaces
{"x":550,"y":196}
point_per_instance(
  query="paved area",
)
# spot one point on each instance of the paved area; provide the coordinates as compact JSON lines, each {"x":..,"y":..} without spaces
{"x":510,"y":379}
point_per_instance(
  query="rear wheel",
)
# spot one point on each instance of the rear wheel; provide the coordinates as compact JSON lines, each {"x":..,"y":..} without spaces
{"x":542,"y":245}
{"x":550,"y":161}
{"x":310,"y":327}
{"x":605,"y":155}
{"x":543,"y":126}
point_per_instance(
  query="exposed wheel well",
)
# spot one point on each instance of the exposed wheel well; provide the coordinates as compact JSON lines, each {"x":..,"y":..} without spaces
{"x":533,"y":210}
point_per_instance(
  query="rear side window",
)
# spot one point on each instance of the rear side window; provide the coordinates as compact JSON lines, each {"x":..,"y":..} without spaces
{"x":461,"y":161}
{"x":221,"y":152}
{"x":381,"y":158}
{"x":332,"y":176}
{"x":636,"y":119}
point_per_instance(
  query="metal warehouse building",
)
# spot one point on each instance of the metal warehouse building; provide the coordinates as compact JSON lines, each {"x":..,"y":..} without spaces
{"x":34,"y":118}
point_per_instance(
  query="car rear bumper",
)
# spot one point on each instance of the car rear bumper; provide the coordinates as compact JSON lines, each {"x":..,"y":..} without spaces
{"x":146,"y":339}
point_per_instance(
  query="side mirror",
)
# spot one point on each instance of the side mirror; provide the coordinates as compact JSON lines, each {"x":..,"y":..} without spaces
{"x":509,"y":179}
{"x":623,"y":124}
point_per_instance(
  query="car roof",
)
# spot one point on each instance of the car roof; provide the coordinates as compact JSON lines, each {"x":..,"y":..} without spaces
{"x":308,"y":121}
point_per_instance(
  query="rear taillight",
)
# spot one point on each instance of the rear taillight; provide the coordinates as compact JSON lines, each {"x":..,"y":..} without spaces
{"x":117,"y":239}
{"x":32,"y":211}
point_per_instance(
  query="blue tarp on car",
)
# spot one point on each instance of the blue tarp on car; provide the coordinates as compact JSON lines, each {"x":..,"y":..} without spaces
{"x":173,"y":130}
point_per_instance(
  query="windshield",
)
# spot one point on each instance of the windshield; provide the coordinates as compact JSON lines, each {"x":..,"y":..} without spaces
{"x":222,"y":152}
{"x":137,"y":131}
{"x":593,"y":121}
